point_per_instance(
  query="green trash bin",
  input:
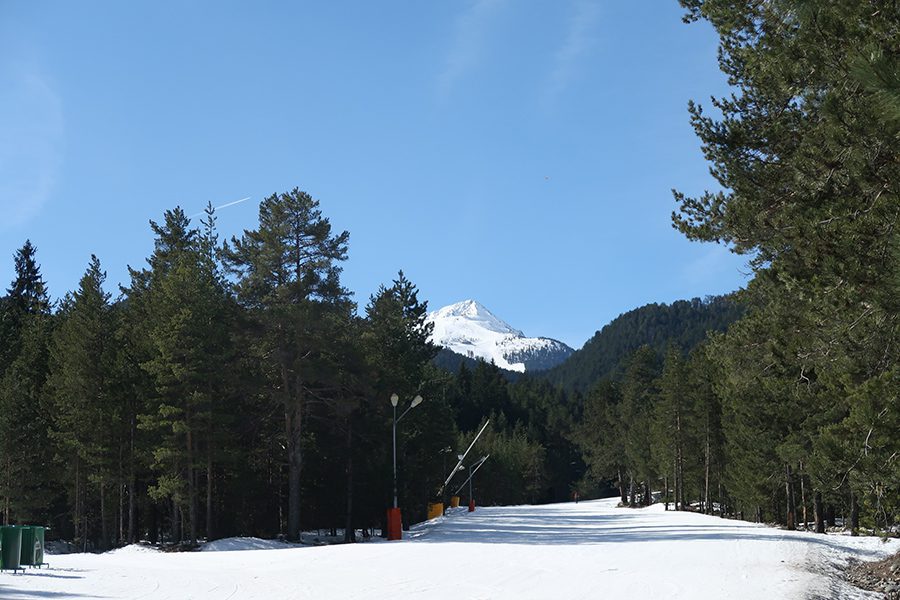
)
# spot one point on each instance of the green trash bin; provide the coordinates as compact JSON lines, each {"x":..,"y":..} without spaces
{"x":26,"y":556}
{"x":11,"y":552}
{"x":32,"y":546}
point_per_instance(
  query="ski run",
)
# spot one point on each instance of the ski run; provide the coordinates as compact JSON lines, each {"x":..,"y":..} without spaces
{"x":567,"y":551}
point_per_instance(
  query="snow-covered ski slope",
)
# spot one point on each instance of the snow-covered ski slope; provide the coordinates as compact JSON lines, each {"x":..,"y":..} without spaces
{"x":562,"y":551}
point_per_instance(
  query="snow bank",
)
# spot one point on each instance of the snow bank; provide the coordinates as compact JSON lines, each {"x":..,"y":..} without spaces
{"x":234,"y":544}
{"x":133,"y":550}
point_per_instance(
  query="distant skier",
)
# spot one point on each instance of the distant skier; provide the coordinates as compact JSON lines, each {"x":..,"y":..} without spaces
{"x":575,"y":496}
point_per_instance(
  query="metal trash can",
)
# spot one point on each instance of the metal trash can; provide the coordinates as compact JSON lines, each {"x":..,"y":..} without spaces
{"x":10,"y":548}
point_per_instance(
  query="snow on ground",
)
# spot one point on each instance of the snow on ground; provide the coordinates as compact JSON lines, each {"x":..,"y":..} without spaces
{"x":235,"y":544}
{"x":585,"y":550}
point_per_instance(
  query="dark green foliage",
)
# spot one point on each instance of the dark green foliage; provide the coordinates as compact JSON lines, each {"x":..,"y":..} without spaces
{"x":28,"y":486}
{"x":450,"y":361}
{"x":807,"y":154}
{"x":514,"y":472}
{"x":288,"y":276}
{"x":683,"y":324}
{"x":86,"y":414}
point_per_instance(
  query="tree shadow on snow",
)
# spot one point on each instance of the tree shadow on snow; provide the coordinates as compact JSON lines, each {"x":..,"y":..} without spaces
{"x":543,"y":528}
{"x":8,"y":592}
{"x":18,"y":586}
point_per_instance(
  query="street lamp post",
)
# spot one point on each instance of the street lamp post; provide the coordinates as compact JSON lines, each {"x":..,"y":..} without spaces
{"x":394,"y":518}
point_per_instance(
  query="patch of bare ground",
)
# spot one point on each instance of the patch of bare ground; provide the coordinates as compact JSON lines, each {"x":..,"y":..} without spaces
{"x":880,"y":576}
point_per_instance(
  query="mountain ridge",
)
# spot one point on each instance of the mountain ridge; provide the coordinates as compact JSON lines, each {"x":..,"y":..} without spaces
{"x":469,"y":329}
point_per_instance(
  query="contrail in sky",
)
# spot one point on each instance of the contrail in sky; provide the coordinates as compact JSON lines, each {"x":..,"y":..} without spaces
{"x":217,"y":208}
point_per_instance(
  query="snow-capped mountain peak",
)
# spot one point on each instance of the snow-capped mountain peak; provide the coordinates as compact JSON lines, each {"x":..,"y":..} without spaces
{"x":470,"y":311}
{"x":470,"y":329}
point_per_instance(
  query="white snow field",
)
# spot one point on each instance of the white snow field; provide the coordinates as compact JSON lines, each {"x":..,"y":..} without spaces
{"x":561,"y":551}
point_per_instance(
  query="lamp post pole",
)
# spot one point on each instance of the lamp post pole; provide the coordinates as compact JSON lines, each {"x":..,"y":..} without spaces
{"x":395,"y":454}
{"x":394,"y":518}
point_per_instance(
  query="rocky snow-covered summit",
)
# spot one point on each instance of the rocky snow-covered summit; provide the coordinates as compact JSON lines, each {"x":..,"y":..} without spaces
{"x":470,"y":329}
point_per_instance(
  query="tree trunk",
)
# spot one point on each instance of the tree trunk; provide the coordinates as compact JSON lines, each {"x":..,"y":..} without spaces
{"x":120,"y":534}
{"x":176,"y":522}
{"x":707,"y":505}
{"x":210,"y":534}
{"x":294,"y":450}
{"x":790,"y":516}
{"x":153,"y":525}
{"x":829,"y":515}
{"x":854,"y":514}
{"x":803,"y":495}
{"x":79,"y":525}
{"x":818,"y":514}
{"x":192,"y":488}
{"x":349,"y":530}
{"x":131,"y":481}
{"x":719,"y":495}
{"x":104,"y":528}
{"x":6,"y":490}
{"x":631,"y":501}
{"x":675,"y":482}
{"x":622,"y":491}
{"x":679,"y":463}
{"x":666,"y":484}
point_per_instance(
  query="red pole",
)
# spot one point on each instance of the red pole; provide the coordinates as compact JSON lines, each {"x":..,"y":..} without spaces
{"x":395,"y":532}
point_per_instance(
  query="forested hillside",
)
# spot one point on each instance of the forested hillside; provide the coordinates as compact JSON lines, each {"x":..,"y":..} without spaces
{"x":683,"y":324}
{"x":231,"y":388}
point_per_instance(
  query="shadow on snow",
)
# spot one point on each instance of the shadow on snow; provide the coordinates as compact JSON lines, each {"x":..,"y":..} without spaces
{"x":494,"y":526}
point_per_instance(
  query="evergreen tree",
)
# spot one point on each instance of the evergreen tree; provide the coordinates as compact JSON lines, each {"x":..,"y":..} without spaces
{"x":27,"y":483}
{"x":639,"y":396}
{"x":288,"y":273}
{"x":601,"y":436}
{"x":85,"y":414}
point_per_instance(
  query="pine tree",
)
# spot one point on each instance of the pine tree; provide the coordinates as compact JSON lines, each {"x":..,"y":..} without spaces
{"x":639,"y":396}
{"x":85,"y":413}
{"x":396,"y":342}
{"x":601,"y":436}
{"x":672,"y":423}
{"x":806,"y":154}
{"x":27,"y":480}
{"x":287,"y":275}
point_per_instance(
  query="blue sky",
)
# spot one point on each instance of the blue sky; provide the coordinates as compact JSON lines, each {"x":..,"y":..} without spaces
{"x":518,"y":153}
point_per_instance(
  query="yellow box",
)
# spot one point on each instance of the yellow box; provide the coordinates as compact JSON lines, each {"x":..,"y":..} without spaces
{"x":435,"y":509}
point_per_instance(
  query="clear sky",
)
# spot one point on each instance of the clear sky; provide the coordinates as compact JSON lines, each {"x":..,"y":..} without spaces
{"x":520,"y":153}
